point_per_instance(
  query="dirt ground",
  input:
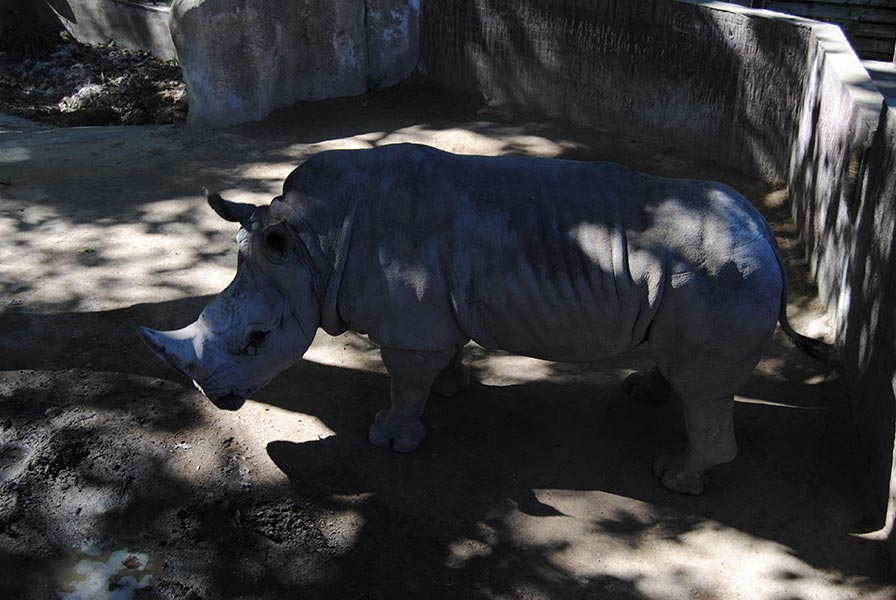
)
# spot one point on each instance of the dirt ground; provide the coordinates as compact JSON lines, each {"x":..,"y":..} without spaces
{"x":118,"y":480}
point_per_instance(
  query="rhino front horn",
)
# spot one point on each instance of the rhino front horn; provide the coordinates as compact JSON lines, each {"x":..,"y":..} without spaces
{"x":174,"y":347}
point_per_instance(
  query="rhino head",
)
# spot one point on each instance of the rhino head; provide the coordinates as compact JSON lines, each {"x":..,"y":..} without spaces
{"x":262,"y":323}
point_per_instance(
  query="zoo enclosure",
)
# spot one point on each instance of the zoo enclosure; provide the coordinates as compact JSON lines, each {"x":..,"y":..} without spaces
{"x":777,"y":97}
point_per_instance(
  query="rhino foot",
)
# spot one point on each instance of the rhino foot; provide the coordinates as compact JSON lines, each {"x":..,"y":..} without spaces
{"x":677,"y":476}
{"x":402,"y":432}
{"x":648,"y":387}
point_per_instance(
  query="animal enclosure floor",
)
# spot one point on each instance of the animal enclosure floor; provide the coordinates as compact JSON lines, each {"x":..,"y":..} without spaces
{"x":118,"y":480}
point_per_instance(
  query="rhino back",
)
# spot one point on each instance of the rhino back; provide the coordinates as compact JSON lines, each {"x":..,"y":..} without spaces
{"x":554,"y":259}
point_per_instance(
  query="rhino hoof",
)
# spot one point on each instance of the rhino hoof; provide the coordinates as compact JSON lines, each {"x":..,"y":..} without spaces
{"x":378,"y":438}
{"x":676,"y":477}
{"x":401,"y":432}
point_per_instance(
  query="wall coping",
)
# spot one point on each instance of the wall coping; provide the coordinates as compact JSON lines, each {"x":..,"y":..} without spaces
{"x":164,"y":8}
{"x":836,"y":48}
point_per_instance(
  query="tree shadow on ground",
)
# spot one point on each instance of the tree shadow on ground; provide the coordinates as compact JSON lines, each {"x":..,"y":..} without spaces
{"x":495,"y":454}
{"x":513,"y":488}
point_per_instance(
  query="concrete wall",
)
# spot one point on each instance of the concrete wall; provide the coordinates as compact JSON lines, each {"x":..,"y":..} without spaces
{"x":130,"y":25}
{"x":868,"y":323}
{"x":843,"y":189}
{"x":777,"y":97}
{"x":720,"y":83}
{"x":243,"y":58}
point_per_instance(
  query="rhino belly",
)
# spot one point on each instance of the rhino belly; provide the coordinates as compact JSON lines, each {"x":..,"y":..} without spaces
{"x":566,"y":319}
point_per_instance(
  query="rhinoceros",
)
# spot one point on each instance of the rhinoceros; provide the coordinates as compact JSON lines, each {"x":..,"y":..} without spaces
{"x":424,"y":250}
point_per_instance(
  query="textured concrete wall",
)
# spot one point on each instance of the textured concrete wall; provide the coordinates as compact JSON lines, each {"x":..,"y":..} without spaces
{"x":243,"y":58}
{"x":869,"y":334}
{"x":842,"y":189}
{"x":130,"y":25}
{"x":718,"y":82}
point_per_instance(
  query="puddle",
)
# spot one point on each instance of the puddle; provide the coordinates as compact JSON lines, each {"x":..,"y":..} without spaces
{"x":110,"y":575}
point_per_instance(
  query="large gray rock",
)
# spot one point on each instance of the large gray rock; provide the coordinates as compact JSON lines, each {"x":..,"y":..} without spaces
{"x":243,"y":58}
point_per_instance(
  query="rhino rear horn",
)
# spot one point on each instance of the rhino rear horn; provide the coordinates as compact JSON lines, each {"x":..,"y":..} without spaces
{"x":237,"y":212}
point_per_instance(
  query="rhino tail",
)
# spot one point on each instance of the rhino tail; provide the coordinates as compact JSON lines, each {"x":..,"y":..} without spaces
{"x":821,"y":351}
{"x":817,"y":349}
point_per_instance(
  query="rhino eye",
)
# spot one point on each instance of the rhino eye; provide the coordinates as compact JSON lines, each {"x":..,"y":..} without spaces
{"x":257,"y":338}
{"x":276,"y":243}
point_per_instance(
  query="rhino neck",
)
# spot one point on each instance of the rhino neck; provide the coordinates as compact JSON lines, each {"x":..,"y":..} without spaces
{"x":327,"y":241}
{"x":337,"y":251}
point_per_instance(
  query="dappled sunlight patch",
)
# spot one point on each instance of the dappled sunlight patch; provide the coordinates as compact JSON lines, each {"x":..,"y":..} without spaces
{"x":343,"y":527}
{"x":666,"y":554}
{"x":14,"y":154}
{"x":772,"y":404}
{"x":479,"y":138}
{"x":462,"y":551}
{"x":467,"y":141}
{"x":274,"y":172}
{"x":776,"y":199}
{"x":507,"y":369}
{"x":358,"y":142}
{"x":810,"y":322}
{"x":349,"y":350}
{"x":172,"y":210}
{"x":57,"y":262}
{"x":262,"y":423}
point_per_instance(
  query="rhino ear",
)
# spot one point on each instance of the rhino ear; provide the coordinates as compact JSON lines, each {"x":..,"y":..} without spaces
{"x":237,"y":212}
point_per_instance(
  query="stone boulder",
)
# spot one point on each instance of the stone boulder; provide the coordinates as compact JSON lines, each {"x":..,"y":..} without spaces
{"x":241,"y":59}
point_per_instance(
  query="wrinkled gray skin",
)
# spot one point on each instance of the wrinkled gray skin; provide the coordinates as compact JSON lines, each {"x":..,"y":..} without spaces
{"x":565,"y":261}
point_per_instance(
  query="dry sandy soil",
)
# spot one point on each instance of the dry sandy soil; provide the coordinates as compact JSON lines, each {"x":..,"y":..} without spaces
{"x":118,"y":480}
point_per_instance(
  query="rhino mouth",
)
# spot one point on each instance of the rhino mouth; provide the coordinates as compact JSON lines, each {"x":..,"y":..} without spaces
{"x":228,"y":401}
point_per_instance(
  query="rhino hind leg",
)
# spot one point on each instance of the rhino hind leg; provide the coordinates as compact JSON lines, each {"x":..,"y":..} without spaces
{"x":711,"y":442}
{"x":706,"y":339}
{"x":648,"y":387}
{"x":454,"y":378}
{"x":413,"y":374}
{"x":706,"y":382}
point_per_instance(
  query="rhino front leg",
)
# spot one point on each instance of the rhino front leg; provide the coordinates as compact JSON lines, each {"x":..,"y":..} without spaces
{"x":413,"y":374}
{"x":710,"y":429}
